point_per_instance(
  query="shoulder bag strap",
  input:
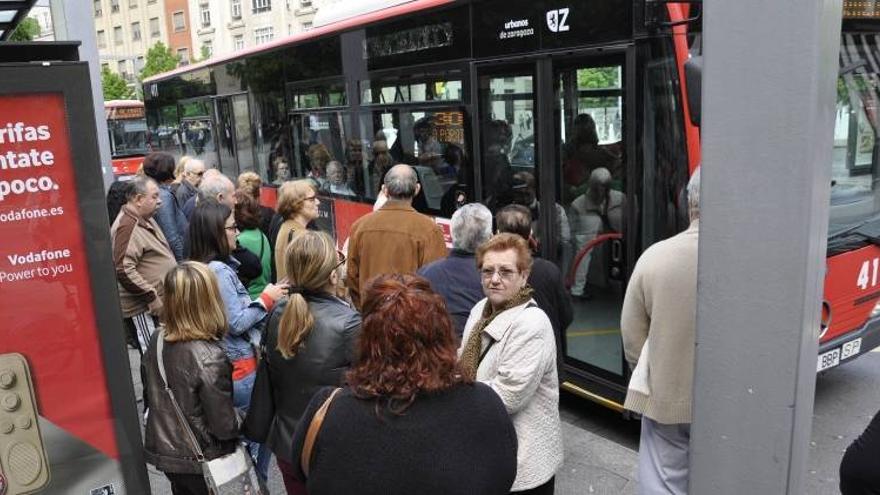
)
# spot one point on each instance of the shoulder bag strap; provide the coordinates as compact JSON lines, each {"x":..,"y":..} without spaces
{"x":312,"y":433}
{"x":160,"y":346}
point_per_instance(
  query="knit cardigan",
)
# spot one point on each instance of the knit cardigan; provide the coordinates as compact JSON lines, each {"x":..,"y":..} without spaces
{"x":660,"y":307}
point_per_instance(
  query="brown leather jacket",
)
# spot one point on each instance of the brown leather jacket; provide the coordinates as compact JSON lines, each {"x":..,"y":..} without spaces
{"x":200,"y":376}
{"x":393,"y":239}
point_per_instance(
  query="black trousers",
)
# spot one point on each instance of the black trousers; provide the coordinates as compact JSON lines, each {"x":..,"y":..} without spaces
{"x":187,"y":484}
{"x":545,"y":489}
{"x":860,"y":467}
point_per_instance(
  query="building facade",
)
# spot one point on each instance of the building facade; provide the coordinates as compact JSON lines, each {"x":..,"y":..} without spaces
{"x":220,"y":27}
{"x":125,"y":30}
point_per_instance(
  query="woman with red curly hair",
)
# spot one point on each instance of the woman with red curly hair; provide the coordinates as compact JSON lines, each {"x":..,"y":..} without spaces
{"x":408,"y":421}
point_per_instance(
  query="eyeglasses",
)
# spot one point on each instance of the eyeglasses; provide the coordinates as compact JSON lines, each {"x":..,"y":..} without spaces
{"x":503,"y":273}
{"x":198,"y":174}
{"x":233,"y":228}
{"x":341,"y":257}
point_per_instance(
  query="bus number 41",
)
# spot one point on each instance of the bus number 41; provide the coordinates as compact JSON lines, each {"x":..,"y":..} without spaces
{"x":868,"y":274}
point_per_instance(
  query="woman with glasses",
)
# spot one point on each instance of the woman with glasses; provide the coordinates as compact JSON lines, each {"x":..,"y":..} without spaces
{"x":212,"y":238}
{"x":508,"y":343}
{"x":297,"y":205}
{"x":309,"y":341}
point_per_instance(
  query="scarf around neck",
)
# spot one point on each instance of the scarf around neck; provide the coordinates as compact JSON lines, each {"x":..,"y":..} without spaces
{"x":470,"y":355}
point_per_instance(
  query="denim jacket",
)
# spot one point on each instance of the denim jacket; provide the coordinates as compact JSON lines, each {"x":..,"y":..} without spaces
{"x":246,"y":316}
{"x":172,"y":221}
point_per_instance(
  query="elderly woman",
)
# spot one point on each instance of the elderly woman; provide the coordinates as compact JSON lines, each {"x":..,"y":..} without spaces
{"x":508,"y":344}
{"x":297,"y":205}
{"x":407,"y":422}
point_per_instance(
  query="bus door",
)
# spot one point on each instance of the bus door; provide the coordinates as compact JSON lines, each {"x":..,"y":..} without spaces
{"x":553,"y":138}
{"x":197,"y":128}
{"x":234,"y":139}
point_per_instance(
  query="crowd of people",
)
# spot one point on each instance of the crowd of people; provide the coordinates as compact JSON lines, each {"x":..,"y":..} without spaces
{"x":426,"y":370}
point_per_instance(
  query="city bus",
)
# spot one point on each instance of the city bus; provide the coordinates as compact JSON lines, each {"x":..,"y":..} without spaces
{"x":127,"y":129}
{"x":586,"y":115}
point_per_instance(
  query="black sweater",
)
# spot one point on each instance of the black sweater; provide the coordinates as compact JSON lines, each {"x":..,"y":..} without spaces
{"x":460,"y":441}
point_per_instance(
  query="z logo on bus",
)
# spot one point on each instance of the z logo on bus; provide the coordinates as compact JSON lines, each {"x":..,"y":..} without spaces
{"x":557,"y":20}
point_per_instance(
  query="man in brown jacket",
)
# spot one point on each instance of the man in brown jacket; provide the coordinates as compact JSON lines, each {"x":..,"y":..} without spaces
{"x":142,"y":258}
{"x":393,"y":239}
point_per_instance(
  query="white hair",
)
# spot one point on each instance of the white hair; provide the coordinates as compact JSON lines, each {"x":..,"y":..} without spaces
{"x":471,"y":226}
{"x":192,"y":164}
{"x":214,"y":183}
{"x":693,"y":192}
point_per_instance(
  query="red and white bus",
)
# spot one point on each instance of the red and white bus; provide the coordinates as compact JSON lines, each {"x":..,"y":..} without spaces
{"x":504,"y":101}
{"x":127,"y":128}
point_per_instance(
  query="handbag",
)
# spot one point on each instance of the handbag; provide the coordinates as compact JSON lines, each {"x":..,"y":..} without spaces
{"x":305,"y":458}
{"x":231,"y":474}
{"x":261,"y":413}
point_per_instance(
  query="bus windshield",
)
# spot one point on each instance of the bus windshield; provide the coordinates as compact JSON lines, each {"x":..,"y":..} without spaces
{"x":127,"y":137}
{"x":855,"y":195}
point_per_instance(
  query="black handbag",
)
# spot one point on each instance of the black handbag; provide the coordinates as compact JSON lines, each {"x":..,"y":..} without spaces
{"x":261,"y":412}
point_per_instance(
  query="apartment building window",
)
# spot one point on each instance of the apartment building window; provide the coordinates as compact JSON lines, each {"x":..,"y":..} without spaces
{"x":178,"y":21}
{"x":102,"y":39}
{"x":114,"y":6}
{"x":307,"y":26}
{"x":122,"y":69}
{"x":207,"y":49}
{"x":236,"y":9}
{"x":183,"y":55}
{"x":261,"y":5}
{"x":305,"y":3}
{"x":238,"y":42}
{"x":205,"y":15}
{"x":135,"y":31}
{"x":98,"y":11}
{"x":149,"y":2}
{"x":117,"y":35}
{"x":138,"y":65}
{"x":154,"y":27}
{"x":132,"y":4}
{"x":263,"y":35}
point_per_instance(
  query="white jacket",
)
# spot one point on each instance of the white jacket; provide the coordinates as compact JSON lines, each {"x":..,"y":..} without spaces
{"x":520,"y":366}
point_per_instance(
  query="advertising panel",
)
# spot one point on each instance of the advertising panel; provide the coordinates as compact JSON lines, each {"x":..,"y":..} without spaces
{"x":59,"y":427}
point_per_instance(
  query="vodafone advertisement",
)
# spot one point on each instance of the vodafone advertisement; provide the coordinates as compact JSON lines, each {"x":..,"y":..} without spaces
{"x":57,"y":425}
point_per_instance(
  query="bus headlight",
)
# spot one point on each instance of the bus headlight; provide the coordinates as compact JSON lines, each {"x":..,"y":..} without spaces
{"x":876,"y":312}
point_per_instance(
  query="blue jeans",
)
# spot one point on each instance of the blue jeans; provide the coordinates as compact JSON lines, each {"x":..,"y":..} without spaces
{"x":241,"y":399}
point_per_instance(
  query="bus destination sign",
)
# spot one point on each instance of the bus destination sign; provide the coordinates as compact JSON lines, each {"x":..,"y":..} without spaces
{"x":861,"y":9}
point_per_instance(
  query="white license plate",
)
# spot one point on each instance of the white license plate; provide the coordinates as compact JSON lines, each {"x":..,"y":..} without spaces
{"x":851,"y":348}
{"x":828,"y":359}
{"x":833,"y":357}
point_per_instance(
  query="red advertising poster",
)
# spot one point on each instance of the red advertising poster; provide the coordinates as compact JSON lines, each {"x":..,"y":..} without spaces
{"x":56,"y":421}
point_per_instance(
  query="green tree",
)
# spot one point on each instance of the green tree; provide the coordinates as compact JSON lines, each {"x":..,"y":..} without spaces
{"x":115,"y":87}
{"x":27,"y":30}
{"x":159,"y":59}
{"x":204,"y":54}
{"x":598,"y":78}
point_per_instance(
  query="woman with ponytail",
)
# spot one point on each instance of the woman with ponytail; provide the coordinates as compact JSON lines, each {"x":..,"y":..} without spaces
{"x":310,"y":340}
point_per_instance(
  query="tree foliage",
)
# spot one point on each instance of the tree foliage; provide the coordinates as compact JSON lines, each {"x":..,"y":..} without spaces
{"x":159,"y":59}
{"x":27,"y":30}
{"x":598,"y":78}
{"x":115,"y":87}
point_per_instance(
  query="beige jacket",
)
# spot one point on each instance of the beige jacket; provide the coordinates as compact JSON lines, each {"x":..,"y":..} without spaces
{"x":660,"y":307}
{"x":520,"y":365}
{"x":142,"y":258}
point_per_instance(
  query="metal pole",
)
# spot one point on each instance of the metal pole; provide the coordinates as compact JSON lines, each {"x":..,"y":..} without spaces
{"x":768,"y":114}
{"x":72,"y":20}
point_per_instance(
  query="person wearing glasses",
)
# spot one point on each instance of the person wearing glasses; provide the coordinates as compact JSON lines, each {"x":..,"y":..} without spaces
{"x":309,"y":343}
{"x":212,"y":238}
{"x":297,"y":205}
{"x":193,"y":170}
{"x":508,"y":344}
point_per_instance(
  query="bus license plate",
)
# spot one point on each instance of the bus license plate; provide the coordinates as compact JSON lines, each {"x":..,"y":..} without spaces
{"x":829,"y":359}
{"x":833,"y":357}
